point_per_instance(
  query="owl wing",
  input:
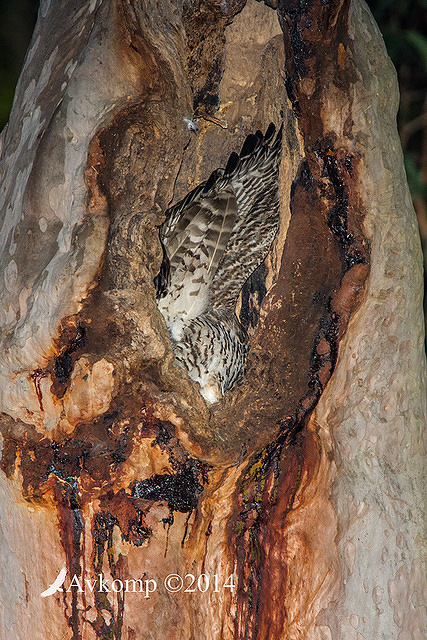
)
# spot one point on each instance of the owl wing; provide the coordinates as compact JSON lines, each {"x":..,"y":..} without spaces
{"x":253,"y":177}
{"x":220,"y":232}
{"x":194,"y":245}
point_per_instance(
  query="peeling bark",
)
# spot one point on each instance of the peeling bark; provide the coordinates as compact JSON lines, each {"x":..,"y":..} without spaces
{"x":302,"y":486}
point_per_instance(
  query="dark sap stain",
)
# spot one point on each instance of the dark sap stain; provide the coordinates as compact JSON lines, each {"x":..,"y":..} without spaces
{"x":119,"y":509}
{"x":108,"y":627}
{"x":36,"y":376}
{"x":253,"y":293}
{"x":163,"y":437}
{"x":75,"y":340}
{"x":71,"y":531}
{"x":180,"y":490}
{"x":208,"y":95}
{"x":338,"y":213}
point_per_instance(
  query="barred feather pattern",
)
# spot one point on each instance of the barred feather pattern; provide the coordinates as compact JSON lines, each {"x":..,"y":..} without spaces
{"x":213,"y":240}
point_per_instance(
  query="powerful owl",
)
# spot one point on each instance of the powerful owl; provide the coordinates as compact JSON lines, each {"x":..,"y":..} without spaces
{"x":213,"y":240}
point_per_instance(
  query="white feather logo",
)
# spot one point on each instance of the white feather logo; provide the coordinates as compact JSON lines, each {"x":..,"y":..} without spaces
{"x":55,"y":586}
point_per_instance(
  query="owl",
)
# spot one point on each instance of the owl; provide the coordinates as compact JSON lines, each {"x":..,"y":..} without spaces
{"x":213,"y":240}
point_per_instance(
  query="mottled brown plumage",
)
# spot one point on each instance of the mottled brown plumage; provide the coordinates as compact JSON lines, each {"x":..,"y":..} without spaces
{"x":213,"y":240}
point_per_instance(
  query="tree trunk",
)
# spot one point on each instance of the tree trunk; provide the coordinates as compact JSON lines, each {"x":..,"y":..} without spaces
{"x":292,"y":507}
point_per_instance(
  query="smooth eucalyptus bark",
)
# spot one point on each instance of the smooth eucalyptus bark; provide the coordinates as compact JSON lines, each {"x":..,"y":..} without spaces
{"x":303,"y":484}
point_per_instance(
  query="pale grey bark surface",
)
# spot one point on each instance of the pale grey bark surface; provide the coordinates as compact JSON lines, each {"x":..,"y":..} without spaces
{"x":49,"y":252}
{"x":375,"y":405}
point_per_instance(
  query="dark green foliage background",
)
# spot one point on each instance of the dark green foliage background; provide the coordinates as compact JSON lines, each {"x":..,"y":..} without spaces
{"x":17,"y":20}
{"x":402,"y":22}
